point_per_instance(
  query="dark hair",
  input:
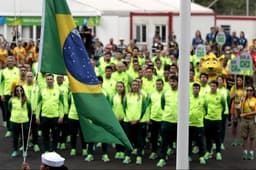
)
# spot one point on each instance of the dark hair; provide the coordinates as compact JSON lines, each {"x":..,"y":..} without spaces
{"x":123,"y":93}
{"x":100,"y":78}
{"x":196,"y":85}
{"x":214,"y":82}
{"x":167,"y":67}
{"x":23,"y":95}
{"x":109,"y":67}
{"x":131,"y":90}
{"x":204,"y":74}
{"x":108,"y":53}
{"x":160,"y":80}
{"x":192,"y":70}
{"x":49,"y":74}
{"x":220,"y":76}
{"x":174,"y":77}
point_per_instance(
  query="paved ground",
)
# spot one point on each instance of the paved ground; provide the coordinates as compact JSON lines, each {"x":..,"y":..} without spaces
{"x":231,"y":159}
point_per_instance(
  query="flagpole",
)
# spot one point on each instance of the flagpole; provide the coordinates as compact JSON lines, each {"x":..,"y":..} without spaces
{"x":182,"y":161}
{"x":41,"y":38}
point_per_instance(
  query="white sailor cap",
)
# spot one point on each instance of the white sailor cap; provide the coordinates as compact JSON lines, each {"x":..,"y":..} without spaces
{"x":52,"y":159}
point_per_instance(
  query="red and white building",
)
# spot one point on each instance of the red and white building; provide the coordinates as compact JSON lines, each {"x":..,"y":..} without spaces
{"x":130,"y":19}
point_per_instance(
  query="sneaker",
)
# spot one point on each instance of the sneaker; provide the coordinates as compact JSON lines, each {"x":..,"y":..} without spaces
{"x":174,"y":145}
{"x":213,"y":147}
{"x":8,"y":134}
{"x":138,"y":160}
{"x":161,"y":163}
{"x":36,"y":148}
{"x":39,"y":133}
{"x":98,"y":145}
{"x":218,"y":156}
{"x":21,"y":148}
{"x":202,"y":160}
{"x":207,"y":155}
{"x":84,"y":152}
{"x":4,"y":123}
{"x":58,"y":145}
{"x":222,"y":147}
{"x":134,"y":151}
{"x":89,"y":158}
{"x":14,"y":154}
{"x":25,"y":154}
{"x":121,"y":155}
{"x":72,"y":152}
{"x":195,"y":150}
{"x":105,"y":158}
{"x":251,"y":156}
{"x":63,"y":146}
{"x":117,"y":155}
{"x":30,"y":144}
{"x":245,"y":156}
{"x":68,"y":139}
{"x":127,"y":160}
{"x":152,"y":156}
{"x":169,"y":151}
{"x":234,"y":143}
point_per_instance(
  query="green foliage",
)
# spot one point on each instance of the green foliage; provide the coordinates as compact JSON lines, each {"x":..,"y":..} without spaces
{"x":230,"y":7}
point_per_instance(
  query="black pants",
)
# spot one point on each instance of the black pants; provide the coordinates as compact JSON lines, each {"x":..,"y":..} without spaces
{"x":223,"y":127}
{"x":196,"y":134}
{"x":47,"y":125}
{"x":120,"y":148}
{"x":154,"y":128}
{"x":212,"y":134}
{"x":64,"y":131}
{"x":34,"y":130}
{"x":6,"y":112}
{"x":17,"y":132}
{"x":74,"y":127}
{"x":169,"y":135}
{"x":104,"y":147}
{"x":136,"y":134}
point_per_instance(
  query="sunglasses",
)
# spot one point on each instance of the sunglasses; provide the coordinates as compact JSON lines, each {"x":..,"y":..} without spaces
{"x":249,"y":89}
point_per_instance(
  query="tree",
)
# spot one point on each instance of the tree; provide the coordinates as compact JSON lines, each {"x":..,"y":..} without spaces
{"x":230,"y":7}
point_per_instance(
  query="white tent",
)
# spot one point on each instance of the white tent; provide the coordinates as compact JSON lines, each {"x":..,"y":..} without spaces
{"x":34,"y":8}
{"x":195,"y":8}
{"x":126,"y":6}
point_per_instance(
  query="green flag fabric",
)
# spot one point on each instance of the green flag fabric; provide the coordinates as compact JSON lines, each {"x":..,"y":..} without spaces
{"x":63,"y":52}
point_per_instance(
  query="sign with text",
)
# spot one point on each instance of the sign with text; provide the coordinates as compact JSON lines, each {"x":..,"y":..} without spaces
{"x":245,"y":62}
{"x":200,"y":51}
{"x":234,"y":66}
{"x":221,"y":38}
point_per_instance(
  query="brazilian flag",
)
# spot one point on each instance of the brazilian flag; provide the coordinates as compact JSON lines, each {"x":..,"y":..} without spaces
{"x":63,"y":52}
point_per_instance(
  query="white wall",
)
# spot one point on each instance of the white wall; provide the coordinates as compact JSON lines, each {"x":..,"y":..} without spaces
{"x":123,"y":29}
{"x":202,"y":23}
{"x":113,"y":26}
{"x":248,"y":26}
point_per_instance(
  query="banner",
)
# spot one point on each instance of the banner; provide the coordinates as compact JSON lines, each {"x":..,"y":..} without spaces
{"x":30,"y":21}
{"x":234,"y":67}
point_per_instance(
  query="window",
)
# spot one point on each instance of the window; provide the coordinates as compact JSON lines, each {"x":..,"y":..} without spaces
{"x":38,"y":33}
{"x":163,"y":33}
{"x":141,"y":33}
{"x":161,"y":29}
